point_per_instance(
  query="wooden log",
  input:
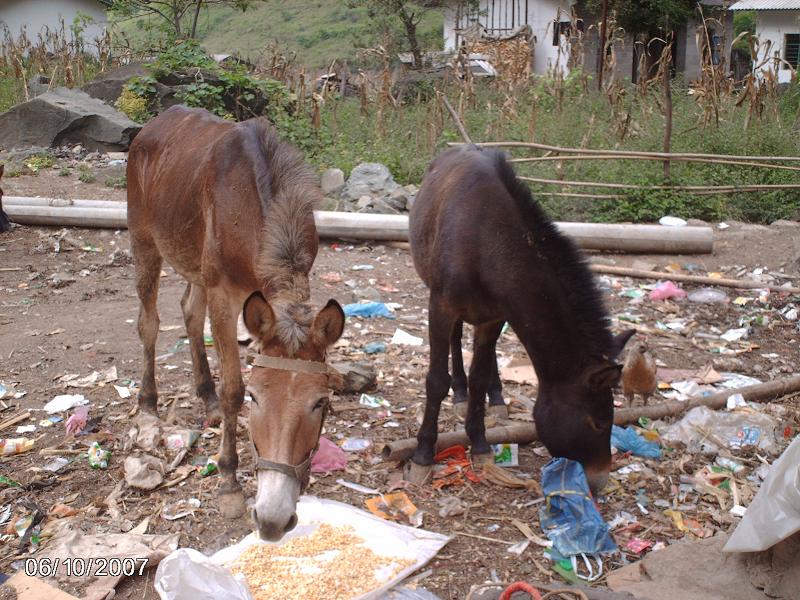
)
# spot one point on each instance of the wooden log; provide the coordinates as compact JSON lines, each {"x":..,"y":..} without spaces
{"x":651,"y":239}
{"x":764,"y":187}
{"x":511,"y":434}
{"x":658,"y":155}
{"x":14,"y":420}
{"x":720,"y":161}
{"x":741,"y":284}
{"x":525,"y":434}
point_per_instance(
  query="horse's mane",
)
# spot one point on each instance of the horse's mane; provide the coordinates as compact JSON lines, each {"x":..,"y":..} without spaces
{"x":573,"y":274}
{"x":289,"y":192}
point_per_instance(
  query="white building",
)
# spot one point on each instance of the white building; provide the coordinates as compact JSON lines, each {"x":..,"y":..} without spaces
{"x":35,"y":15}
{"x":779,"y":22}
{"x":500,"y":17}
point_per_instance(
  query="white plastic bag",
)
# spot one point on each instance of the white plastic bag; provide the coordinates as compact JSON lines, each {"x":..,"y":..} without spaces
{"x":774,"y":514}
{"x":177,"y":577}
{"x":735,"y":429}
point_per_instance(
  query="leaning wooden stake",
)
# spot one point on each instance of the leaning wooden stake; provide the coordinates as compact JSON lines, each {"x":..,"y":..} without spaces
{"x":525,"y":434}
{"x":459,"y":125}
{"x":741,"y":284}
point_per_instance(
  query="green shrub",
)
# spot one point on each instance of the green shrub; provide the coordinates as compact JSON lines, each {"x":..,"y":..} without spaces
{"x":85,"y":174}
{"x":133,"y":105}
{"x":119,"y":182}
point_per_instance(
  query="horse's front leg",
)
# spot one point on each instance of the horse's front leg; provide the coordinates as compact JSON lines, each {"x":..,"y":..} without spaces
{"x":481,"y":372}
{"x":223,"y":325}
{"x":437,"y":384}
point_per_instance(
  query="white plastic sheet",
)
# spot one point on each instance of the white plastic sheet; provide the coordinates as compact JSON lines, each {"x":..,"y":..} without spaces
{"x":189,"y":575}
{"x":735,"y":429}
{"x":774,"y":514}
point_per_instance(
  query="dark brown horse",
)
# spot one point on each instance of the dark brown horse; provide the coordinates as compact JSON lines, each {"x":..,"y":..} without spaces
{"x":489,"y":254}
{"x":5,"y":224}
{"x":230,"y":207}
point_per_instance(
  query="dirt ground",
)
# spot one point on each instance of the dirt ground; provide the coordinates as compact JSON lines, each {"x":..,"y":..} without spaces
{"x":74,"y":312}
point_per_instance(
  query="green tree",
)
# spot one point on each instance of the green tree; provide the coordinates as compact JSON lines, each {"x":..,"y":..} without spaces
{"x":383,"y":13}
{"x":646,"y":16}
{"x":179,"y":17}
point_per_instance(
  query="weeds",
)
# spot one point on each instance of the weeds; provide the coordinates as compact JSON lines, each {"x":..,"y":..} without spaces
{"x":85,"y":174}
{"x":119,"y":182}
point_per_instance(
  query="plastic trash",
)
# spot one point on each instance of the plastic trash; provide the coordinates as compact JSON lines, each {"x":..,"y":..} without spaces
{"x":669,"y":221}
{"x":355,"y":444}
{"x":735,"y":429}
{"x":734,"y":335}
{"x":774,"y":513}
{"x":64,"y":402}
{"x":506,"y":455}
{"x":77,"y":420}
{"x":208,"y":466}
{"x":707,"y":296}
{"x":180,"y":508}
{"x":373,"y":401}
{"x":328,"y":457}
{"x":176,"y":579}
{"x":9,"y":446}
{"x":666,"y":290}
{"x":98,"y":458}
{"x":367,"y":310}
{"x":183,"y":438}
{"x":375,"y":347}
{"x":628,"y":439}
{"x":403,"y":338}
{"x":569,"y":517}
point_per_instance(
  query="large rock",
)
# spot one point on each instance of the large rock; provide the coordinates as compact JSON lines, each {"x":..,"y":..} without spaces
{"x":332,"y":181}
{"x":63,"y":117}
{"x":370,"y":179}
{"x":108,"y":86}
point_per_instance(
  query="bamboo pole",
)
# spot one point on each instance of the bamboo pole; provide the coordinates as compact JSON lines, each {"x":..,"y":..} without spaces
{"x":525,"y":434}
{"x":650,"y":239}
{"x":686,"y":188}
{"x":658,"y":155}
{"x":459,"y":125}
{"x":719,"y":161}
{"x":733,"y":283}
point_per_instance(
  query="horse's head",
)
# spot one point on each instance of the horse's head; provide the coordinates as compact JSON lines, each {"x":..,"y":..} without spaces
{"x":290,"y":391}
{"x":574,"y":418}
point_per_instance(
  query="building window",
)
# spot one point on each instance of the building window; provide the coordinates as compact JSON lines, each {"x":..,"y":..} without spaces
{"x":791,"y":53}
{"x":565,"y":28}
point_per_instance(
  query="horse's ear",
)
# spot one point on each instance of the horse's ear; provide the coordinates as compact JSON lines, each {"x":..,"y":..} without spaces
{"x":258,"y":315}
{"x":329,"y":323}
{"x":619,"y":342}
{"x":603,"y":376}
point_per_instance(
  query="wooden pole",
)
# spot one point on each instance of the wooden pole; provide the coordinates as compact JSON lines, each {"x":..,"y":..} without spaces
{"x":686,"y":188}
{"x":741,"y":163}
{"x":650,"y":239}
{"x":659,"y":155}
{"x":601,"y":51}
{"x":733,"y":283}
{"x":525,"y":434}
{"x":459,"y":125}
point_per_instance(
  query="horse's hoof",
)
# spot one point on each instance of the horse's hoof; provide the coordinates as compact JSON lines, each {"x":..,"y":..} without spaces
{"x":232,"y":504}
{"x":482,"y":458}
{"x":460,"y":409}
{"x":498,"y":411}
{"x":417,"y":474}
{"x":213,"y":419}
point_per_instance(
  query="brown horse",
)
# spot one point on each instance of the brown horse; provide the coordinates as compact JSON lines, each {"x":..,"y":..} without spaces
{"x":230,"y":207}
{"x":5,"y":224}
{"x":489,"y":254}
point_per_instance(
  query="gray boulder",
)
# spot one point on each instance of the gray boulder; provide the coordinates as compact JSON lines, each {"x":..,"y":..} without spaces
{"x":108,"y":86}
{"x":63,"y":117}
{"x":370,"y":179}
{"x":332,"y":181}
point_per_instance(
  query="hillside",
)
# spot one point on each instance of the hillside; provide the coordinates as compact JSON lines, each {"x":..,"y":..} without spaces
{"x":318,"y":31}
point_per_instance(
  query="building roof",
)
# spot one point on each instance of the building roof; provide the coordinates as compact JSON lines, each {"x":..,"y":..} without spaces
{"x":766,"y":5}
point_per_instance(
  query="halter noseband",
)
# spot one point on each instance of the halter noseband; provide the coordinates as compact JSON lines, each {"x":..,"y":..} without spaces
{"x":302,"y":472}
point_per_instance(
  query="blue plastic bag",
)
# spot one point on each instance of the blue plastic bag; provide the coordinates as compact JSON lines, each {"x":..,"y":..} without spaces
{"x":569,"y":517}
{"x":628,"y":439}
{"x":368,"y":309}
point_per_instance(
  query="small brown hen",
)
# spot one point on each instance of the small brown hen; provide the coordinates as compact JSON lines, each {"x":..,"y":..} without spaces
{"x":639,"y":373}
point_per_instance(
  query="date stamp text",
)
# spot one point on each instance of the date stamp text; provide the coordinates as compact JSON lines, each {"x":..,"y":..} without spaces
{"x":83,"y":567}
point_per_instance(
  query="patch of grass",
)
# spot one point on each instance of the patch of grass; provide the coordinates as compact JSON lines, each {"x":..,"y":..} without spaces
{"x":119,"y":182}
{"x":64,"y":172}
{"x":37,"y":162}
{"x":85,"y":174}
{"x":316,"y":31}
